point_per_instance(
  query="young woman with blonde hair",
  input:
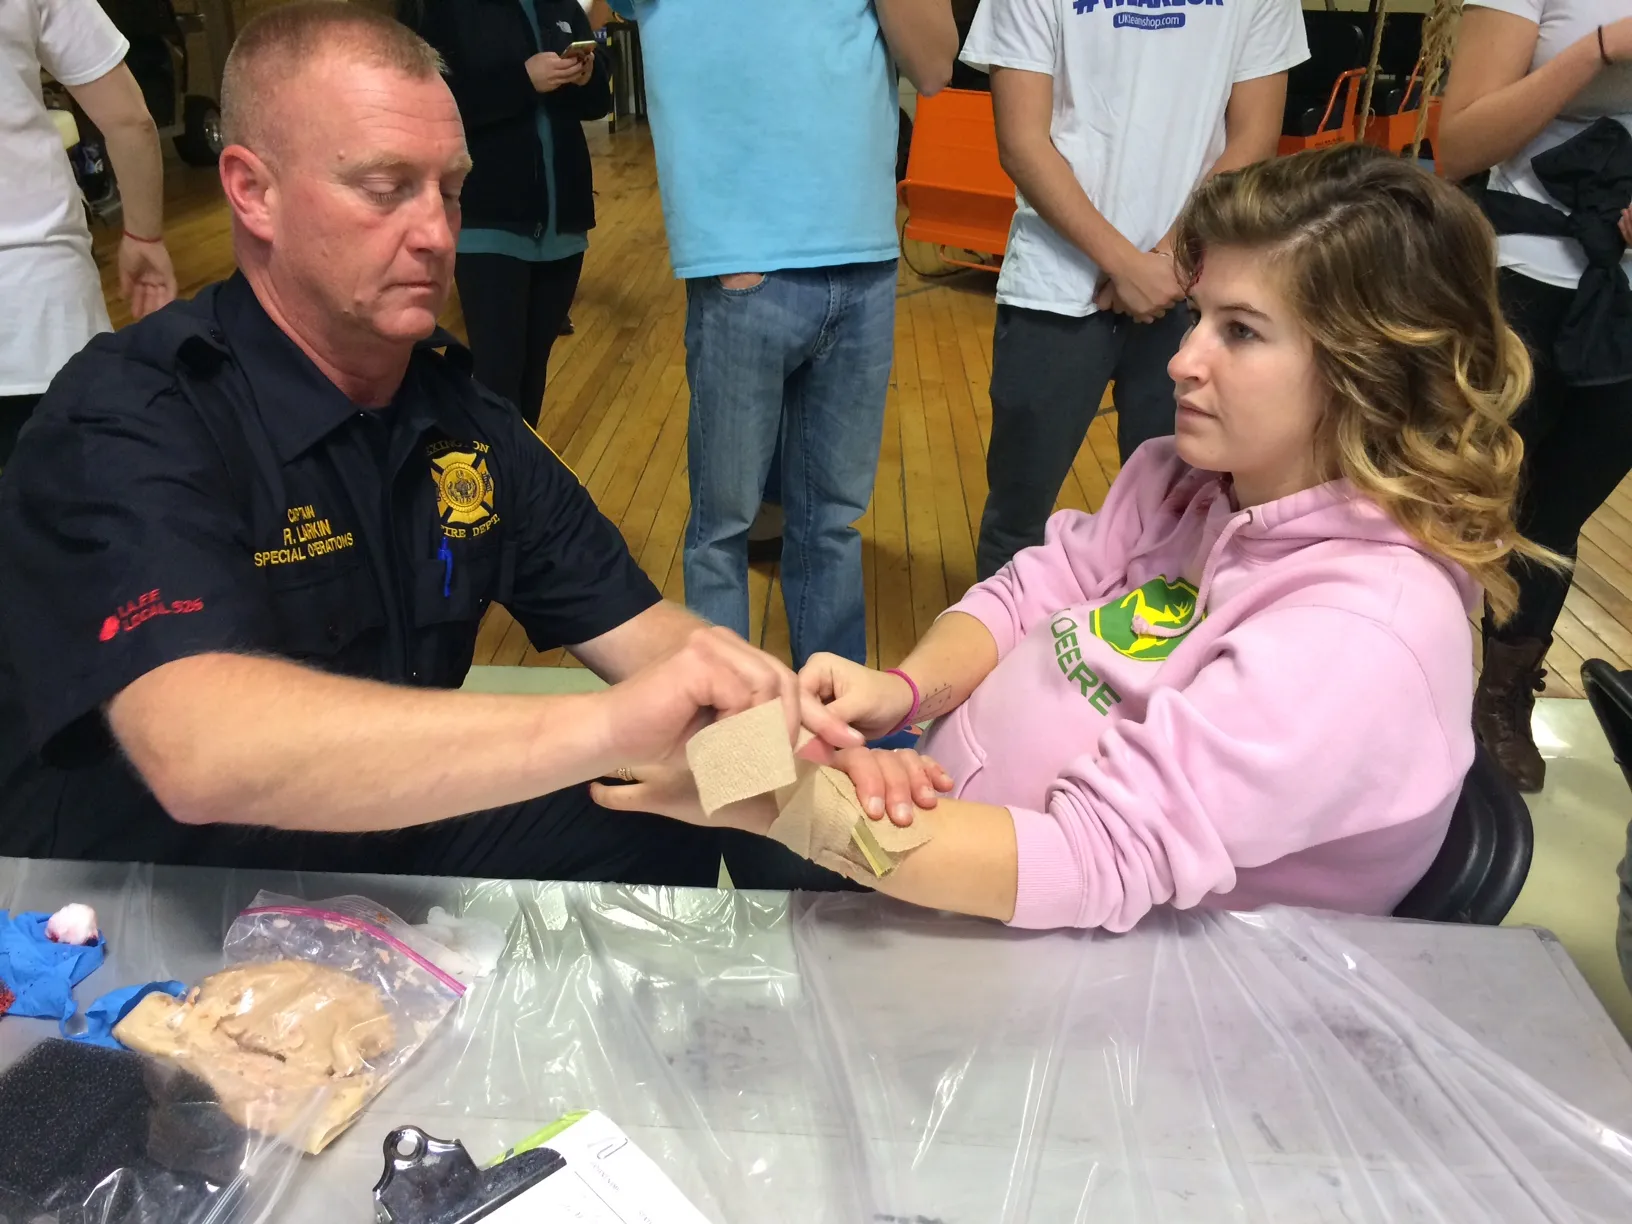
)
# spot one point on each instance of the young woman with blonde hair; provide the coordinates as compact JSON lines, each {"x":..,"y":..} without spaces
{"x":1248,"y":678}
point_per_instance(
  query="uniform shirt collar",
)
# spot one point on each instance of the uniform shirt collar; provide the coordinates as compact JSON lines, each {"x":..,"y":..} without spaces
{"x":299,"y":405}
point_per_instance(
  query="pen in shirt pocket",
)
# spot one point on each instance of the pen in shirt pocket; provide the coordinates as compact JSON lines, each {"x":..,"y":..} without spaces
{"x":445,"y":555}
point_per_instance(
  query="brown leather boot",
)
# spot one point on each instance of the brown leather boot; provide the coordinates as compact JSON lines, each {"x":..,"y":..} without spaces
{"x":1502,"y":706}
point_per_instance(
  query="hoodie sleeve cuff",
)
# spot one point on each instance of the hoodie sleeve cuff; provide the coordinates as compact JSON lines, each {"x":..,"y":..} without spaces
{"x":991,"y":610}
{"x":1049,"y":887}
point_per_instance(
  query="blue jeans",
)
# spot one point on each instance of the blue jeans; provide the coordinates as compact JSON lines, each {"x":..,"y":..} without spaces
{"x":808,"y":352}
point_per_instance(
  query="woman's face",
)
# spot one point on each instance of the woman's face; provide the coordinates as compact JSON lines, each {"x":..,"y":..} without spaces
{"x":1249,"y":396}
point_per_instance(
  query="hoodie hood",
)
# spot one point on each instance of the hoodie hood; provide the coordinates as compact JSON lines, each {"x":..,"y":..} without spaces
{"x":1335,"y":510}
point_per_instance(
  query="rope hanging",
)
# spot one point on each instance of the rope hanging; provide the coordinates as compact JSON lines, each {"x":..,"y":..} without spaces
{"x":1439,"y":32}
{"x":1371,"y":69}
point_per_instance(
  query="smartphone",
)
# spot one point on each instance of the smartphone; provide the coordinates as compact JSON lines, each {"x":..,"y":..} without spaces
{"x":582,"y":50}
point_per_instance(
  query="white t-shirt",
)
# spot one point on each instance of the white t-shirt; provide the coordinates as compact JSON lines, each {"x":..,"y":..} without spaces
{"x":50,"y":293}
{"x":1559,"y":261}
{"x":1140,"y":88}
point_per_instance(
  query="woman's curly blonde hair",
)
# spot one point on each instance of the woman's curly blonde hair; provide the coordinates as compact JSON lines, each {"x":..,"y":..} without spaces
{"x":1392,"y":272}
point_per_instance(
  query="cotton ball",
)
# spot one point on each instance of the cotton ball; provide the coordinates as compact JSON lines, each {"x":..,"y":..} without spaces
{"x":72,"y":924}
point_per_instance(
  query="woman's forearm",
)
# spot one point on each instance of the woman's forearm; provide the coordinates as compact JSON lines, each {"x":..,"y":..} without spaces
{"x":955,"y":655}
{"x":970,"y":867}
{"x":1487,"y":119}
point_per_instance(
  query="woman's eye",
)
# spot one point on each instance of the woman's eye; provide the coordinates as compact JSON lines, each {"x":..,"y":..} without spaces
{"x":1240,"y":331}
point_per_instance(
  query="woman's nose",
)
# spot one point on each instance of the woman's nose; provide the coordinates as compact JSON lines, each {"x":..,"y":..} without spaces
{"x":1189,"y":363}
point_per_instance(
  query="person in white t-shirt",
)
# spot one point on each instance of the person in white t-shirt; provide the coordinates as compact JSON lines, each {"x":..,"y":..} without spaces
{"x":1527,"y":76}
{"x":1109,"y":112}
{"x":50,"y":293}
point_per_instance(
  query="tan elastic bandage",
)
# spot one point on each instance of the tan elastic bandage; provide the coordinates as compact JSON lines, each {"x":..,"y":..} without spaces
{"x":822,"y":820}
{"x":820,"y":817}
{"x":741,"y":756}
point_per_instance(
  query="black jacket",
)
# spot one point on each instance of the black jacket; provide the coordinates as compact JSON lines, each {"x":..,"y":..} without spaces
{"x":486,"y":44}
{"x":1590,"y":174}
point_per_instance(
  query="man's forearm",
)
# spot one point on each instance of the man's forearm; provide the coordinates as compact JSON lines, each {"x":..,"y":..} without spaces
{"x":949,"y":663}
{"x":239,"y":740}
{"x":115,"y":104}
{"x":1252,"y":131}
{"x":1023,"y":103}
{"x":1046,"y":180}
{"x":923,"y":38}
{"x":654,"y":634}
{"x":138,"y":165}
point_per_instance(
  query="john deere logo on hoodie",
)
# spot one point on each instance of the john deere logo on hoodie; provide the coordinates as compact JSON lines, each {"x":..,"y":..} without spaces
{"x":1160,"y":603}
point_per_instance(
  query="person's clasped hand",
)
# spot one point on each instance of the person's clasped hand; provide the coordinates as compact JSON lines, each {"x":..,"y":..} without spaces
{"x":549,"y":71}
{"x":1145,"y":288}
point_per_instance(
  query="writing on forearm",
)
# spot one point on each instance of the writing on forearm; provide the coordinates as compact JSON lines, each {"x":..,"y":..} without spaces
{"x":937,"y":700}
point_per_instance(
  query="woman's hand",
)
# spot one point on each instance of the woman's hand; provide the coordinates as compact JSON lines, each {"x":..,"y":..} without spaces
{"x":896,"y":781}
{"x":549,"y":71}
{"x":668,"y":789}
{"x":873,"y":702}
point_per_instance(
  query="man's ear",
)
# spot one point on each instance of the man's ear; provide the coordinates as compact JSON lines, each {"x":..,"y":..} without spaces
{"x":250,"y":189}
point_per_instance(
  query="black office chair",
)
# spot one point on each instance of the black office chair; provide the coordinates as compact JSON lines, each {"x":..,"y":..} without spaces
{"x":1609,"y":693}
{"x":1480,"y":869}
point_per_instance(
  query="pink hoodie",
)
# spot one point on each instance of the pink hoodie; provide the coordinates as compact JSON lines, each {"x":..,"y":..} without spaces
{"x":1194,"y":705}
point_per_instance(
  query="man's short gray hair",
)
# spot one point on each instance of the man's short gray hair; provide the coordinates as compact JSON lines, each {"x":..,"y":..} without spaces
{"x":277,"y":44}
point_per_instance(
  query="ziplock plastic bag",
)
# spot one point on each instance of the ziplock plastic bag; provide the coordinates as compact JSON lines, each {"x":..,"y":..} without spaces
{"x":357,"y":981}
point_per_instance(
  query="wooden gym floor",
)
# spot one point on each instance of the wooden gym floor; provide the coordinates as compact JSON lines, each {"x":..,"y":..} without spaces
{"x":616,"y":409}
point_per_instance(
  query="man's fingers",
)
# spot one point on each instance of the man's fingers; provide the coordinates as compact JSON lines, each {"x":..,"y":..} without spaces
{"x":829,"y":724}
{"x":628,"y":798}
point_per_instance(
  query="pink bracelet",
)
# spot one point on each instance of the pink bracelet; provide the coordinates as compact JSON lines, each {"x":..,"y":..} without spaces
{"x":916,"y":699}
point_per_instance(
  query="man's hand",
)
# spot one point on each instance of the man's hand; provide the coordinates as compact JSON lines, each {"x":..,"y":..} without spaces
{"x":1625,"y":225}
{"x":147,"y":280}
{"x":1145,"y":286}
{"x":668,"y":789}
{"x":714,"y":674}
{"x":873,"y":702}
{"x":549,"y":71}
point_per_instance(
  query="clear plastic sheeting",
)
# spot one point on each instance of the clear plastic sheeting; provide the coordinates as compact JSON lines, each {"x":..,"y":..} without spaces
{"x":850,"y":1059}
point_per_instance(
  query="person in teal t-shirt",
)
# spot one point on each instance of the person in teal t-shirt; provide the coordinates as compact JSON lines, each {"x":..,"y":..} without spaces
{"x":529,"y":202}
{"x":776,"y":128}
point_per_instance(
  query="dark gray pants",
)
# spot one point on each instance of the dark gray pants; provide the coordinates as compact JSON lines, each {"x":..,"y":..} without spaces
{"x":1049,"y":373}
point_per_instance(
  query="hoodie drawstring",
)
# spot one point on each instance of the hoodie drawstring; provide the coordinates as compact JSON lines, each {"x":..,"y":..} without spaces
{"x":1145,"y":629}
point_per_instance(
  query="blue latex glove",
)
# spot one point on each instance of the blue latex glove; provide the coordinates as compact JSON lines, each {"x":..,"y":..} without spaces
{"x":41,"y":973}
{"x":101,"y":1016}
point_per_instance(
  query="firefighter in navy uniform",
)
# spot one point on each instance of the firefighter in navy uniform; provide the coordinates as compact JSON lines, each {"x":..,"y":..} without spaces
{"x":246,"y":544}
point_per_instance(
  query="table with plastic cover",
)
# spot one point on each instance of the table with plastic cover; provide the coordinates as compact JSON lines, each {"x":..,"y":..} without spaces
{"x":846,"y":1058}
